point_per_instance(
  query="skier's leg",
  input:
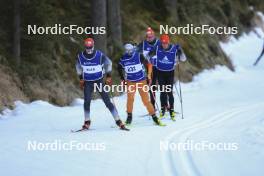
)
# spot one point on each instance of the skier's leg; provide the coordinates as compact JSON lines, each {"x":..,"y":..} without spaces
{"x":152,"y":92}
{"x":152,"y":97}
{"x":87,"y":99}
{"x":171,"y":97}
{"x":107,"y":101}
{"x":110,"y":106}
{"x":131,"y":90}
{"x":163,"y":94}
{"x":88,"y":88}
{"x":145,"y":97}
{"x":170,"y":93}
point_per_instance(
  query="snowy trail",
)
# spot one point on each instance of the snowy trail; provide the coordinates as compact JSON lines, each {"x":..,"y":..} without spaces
{"x":182,"y":162}
{"x":219,"y":106}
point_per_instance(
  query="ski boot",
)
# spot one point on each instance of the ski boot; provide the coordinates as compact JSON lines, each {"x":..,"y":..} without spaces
{"x":172,"y":115}
{"x":157,"y":121}
{"x":121,"y":125}
{"x":162,"y":113}
{"x":86,"y":125}
{"x":129,"y":119}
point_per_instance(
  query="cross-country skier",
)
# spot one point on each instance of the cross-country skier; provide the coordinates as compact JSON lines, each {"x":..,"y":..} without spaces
{"x":166,"y":57}
{"x":135,"y":79}
{"x":91,"y":65}
{"x":145,"y":47}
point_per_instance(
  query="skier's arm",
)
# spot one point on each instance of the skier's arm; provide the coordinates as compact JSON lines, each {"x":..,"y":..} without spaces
{"x":147,"y":64}
{"x":180,"y":56}
{"x":120,"y":71}
{"x":140,"y":47}
{"x":140,"y":50}
{"x":149,"y":68}
{"x":79,"y":71}
{"x":152,"y":57}
{"x":107,"y":63}
{"x":78,"y":68}
{"x":152,"y":53}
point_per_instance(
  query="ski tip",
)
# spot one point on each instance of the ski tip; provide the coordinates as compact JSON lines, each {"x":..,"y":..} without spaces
{"x":162,"y":125}
{"x":73,"y":131}
{"x":80,"y":130}
{"x":125,"y":129}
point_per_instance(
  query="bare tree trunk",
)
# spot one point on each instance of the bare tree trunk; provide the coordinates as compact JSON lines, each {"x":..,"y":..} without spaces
{"x":114,"y":22}
{"x":171,"y":5}
{"x":99,"y":19}
{"x":16,"y":34}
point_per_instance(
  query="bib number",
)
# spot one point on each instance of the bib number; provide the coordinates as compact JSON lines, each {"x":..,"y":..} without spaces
{"x":133,"y":68}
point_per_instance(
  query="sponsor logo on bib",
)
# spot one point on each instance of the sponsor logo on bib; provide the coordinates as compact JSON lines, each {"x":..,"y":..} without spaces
{"x":165,"y":60}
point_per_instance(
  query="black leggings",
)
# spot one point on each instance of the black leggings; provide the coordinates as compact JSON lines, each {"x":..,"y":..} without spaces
{"x":88,"y":91}
{"x":154,"y":82}
{"x":166,"y":78}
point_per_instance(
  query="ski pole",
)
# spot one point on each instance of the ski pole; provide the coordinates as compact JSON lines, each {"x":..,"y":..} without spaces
{"x":258,"y":59}
{"x":151,"y":93}
{"x":175,"y":85}
{"x":112,"y":98}
{"x":177,"y":90}
{"x":178,"y":95}
{"x":180,"y":90}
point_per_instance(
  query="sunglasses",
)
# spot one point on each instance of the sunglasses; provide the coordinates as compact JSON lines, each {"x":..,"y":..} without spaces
{"x":150,"y":37}
{"x":89,"y":47}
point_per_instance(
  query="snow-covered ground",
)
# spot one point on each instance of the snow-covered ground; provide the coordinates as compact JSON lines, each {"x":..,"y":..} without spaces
{"x":220,"y":107}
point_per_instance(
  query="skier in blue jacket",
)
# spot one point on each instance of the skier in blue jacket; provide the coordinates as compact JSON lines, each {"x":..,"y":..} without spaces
{"x":146,"y":47}
{"x":91,"y":65}
{"x":166,"y":57}
{"x":132,"y":65}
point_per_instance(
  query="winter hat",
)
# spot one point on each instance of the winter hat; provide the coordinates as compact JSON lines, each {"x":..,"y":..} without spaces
{"x":164,"y":38}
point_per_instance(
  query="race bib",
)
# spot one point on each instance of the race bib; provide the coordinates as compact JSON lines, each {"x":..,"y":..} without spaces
{"x":92,"y":69}
{"x":133,"y":68}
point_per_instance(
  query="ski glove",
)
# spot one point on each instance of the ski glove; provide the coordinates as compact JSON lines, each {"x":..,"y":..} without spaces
{"x":82,"y":84}
{"x":123,"y":82}
{"x":108,"y":81}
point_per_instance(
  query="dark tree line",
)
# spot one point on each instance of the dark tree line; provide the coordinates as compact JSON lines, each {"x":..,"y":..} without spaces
{"x":103,"y":13}
{"x":17,"y":33}
{"x":107,"y":13}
